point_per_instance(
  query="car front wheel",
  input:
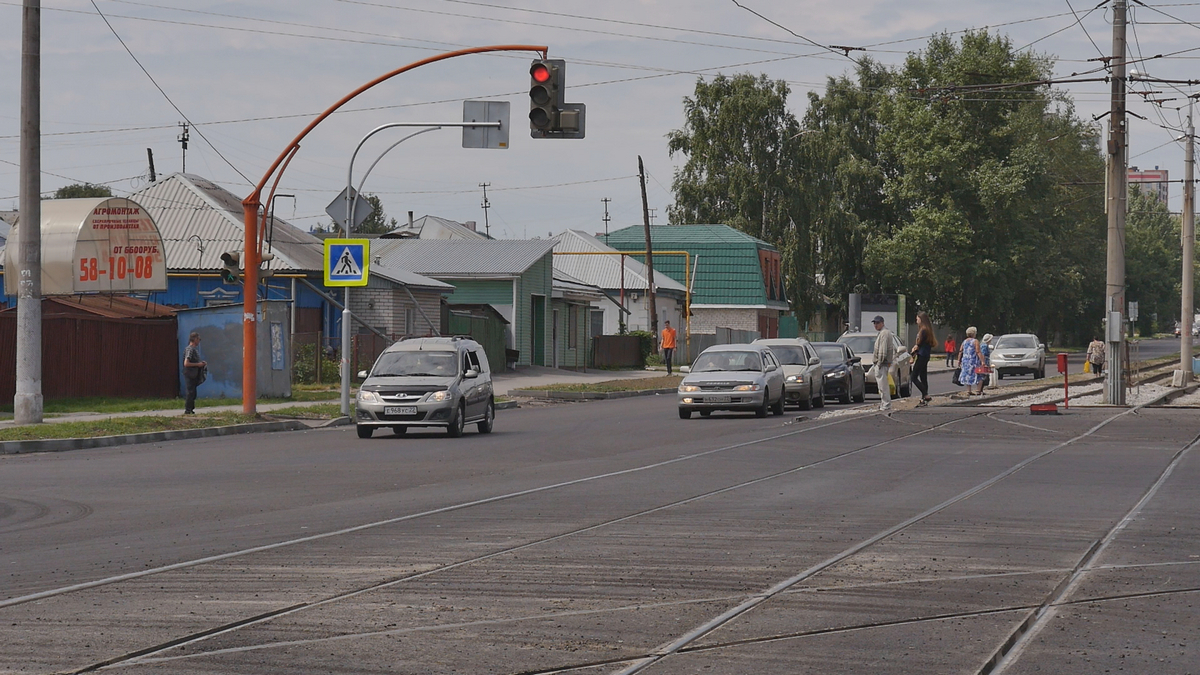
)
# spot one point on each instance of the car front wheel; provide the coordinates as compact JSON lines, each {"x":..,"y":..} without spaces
{"x":761,"y":411}
{"x":685,"y":414}
{"x":364,"y":431}
{"x":458,"y":422}
{"x":489,"y":418}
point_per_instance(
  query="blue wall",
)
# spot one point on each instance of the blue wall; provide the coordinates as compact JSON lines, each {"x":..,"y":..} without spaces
{"x":220,"y":330}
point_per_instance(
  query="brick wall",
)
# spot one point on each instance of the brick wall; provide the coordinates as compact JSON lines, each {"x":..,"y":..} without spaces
{"x":385,"y":309}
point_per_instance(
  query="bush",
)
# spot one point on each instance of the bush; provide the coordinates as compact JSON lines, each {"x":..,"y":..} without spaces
{"x":647,"y":342}
{"x":304,"y":367}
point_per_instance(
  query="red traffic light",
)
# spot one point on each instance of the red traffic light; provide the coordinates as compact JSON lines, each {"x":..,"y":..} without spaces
{"x":540,"y":72}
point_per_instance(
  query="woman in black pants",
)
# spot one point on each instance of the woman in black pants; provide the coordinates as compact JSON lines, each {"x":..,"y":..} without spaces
{"x":922,"y":349}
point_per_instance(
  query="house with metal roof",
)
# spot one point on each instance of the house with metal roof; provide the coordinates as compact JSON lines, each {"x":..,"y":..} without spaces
{"x":625,"y":281}
{"x":433,"y":227}
{"x":514,"y":276}
{"x":570,"y":308}
{"x":738,"y":283}
{"x":199,"y":220}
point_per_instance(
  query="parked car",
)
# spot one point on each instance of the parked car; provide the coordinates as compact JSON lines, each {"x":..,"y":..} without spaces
{"x":732,"y":377}
{"x":863,"y":346}
{"x":427,"y":382}
{"x":1019,"y":354}
{"x":803,"y":376}
{"x":844,"y":375}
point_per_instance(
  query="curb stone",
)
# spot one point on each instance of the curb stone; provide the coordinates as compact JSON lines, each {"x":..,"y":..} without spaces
{"x":585,"y":395}
{"x":65,"y":444}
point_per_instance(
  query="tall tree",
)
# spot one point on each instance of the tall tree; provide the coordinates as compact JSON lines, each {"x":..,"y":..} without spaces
{"x":77,"y":190}
{"x":378,"y":222}
{"x":1152,"y":260}
{"x":738,"y":139}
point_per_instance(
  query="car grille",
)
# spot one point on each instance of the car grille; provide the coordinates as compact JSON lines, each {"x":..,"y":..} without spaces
{"x":411,"y":396}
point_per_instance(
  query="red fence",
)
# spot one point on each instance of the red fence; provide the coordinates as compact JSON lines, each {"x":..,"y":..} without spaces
{"x":86,"y":356}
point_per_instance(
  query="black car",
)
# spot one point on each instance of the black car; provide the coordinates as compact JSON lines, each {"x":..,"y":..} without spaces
{"x":844,"y":375}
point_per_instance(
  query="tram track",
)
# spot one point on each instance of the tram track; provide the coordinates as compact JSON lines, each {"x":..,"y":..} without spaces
{"x":147,"y":654}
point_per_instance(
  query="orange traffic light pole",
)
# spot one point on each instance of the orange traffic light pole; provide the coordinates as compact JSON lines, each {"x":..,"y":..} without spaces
{"x":256,"y":223}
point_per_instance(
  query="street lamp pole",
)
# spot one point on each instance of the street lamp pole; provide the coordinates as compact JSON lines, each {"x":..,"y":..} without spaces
{"x":255,"y":222}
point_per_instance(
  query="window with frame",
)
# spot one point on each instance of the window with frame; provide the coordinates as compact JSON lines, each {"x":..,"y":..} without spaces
{"x":472,"y":361}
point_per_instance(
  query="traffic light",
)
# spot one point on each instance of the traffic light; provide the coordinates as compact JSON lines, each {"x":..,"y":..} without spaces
{"x":264,"y":271}
{"x":545,"y":93}
{"x":549,"y":115}
{"x":230,"y":272}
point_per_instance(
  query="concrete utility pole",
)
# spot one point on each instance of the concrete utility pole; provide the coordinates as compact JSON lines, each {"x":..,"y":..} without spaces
{"x":1188,"y":307}
{"x":27,"y":403}
{"x":1114,"y":297}
{"x":486,"y":205}
{"x":649,"y":254}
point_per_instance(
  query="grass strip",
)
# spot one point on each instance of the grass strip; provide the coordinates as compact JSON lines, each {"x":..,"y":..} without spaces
{"x":100,"y":404}
{"x":117,"y":426}
{"x":635,"y":384}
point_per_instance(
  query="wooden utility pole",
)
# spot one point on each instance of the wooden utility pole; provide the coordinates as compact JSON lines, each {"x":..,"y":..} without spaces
{"x":1114,"y":296}
{"x":649,"y":254}
{"x":27,"y":404}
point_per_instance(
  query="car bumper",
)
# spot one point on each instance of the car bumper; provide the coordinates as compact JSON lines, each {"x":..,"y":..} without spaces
{"x":720,"y":400}
{"x":427,"y":414}
{"x":794,"y":392}
{"x":1016,"y":366}
{"x":837,"y":386}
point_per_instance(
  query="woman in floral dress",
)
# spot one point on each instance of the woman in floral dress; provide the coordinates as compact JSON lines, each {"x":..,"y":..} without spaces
{"x":971,"y":357}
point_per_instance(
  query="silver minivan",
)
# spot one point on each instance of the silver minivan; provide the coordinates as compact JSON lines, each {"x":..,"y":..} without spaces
{"x":427,"y":382}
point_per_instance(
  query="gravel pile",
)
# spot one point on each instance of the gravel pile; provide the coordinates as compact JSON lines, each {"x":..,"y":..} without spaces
{"x":1051,"y":396}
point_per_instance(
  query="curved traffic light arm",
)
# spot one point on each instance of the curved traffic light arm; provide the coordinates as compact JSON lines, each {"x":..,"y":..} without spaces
{"x":254,"y":228}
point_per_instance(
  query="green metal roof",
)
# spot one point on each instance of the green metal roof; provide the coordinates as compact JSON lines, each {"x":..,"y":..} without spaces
{"x":728,"y":269}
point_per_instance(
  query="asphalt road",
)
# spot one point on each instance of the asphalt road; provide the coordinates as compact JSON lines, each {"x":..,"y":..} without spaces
{"x":613,"y":537}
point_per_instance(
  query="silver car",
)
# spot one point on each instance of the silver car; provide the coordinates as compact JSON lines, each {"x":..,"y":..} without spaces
{"x":732,"y":377}
{"x":1019,"y":354}
{"x":803,"y":375}
{"x":427,"y":382}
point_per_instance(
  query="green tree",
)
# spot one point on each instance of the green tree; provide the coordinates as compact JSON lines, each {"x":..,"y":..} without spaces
{"x":984,"y":235}
{"x":377,"y":222}
{"x":78,"y":190}
{"x":738,"y":140}
{"x":1152,"y":260}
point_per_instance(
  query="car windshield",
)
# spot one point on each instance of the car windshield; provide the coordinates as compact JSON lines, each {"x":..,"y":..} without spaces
{"x":711,"y":361}
{"x":831,"y":355}
{"x":1016,"y":342}
{"x":416,"y":363}
{"x":790,"y":355}
{"x":859,"y":344}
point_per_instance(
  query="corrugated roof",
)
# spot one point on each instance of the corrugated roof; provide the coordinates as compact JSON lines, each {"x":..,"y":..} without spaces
{"x":406,"y":278}
{"x":728,"y":271}
{"x":433,"y":227}
{"x":605,"y":270}
{"x":443,"y":258}
{"x":187,"y":207}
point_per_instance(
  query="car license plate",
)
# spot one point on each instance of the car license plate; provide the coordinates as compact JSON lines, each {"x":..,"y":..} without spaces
{"x":716,"y":399}
{"x":401,"y":410}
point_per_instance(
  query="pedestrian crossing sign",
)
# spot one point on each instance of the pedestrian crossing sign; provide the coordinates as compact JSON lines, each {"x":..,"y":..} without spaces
{"x":347,"y":262}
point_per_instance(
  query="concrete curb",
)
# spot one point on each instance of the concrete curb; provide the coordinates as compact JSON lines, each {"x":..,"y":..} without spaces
{"x":507,"y":405}
{"x":585,"y":395}
{"x":64,"y":444}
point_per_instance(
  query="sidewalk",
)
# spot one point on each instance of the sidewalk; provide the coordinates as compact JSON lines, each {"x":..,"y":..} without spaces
{"x":536,"y":376}
{"x":173,"y":412}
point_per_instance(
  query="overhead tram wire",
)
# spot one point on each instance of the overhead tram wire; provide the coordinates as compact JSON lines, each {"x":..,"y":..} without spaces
{"x":840,"y":51}
{"x":1078,"y":22}
{"x":164,"y":93}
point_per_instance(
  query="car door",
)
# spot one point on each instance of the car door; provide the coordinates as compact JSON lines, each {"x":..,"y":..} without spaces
{"x":774,"y":377}
{"x":470,"y":386}
{"x":814,"y":374}
{"x":905,"y":370}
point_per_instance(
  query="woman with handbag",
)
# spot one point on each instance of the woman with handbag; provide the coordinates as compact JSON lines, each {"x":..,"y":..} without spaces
{"x":970,"y":363}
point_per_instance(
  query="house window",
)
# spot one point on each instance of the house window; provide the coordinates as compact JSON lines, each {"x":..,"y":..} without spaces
{"x":572,"y":327}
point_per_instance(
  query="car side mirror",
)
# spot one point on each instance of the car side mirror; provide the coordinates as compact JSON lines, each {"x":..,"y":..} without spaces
{"x":471,"y":374}
{"x":814,"y":360}
{"x":771,"y":367}
{"x":1042,"y":347}
{"x":685,"y":369}
{"x":362,"y":374}
{"x":856,"y":359}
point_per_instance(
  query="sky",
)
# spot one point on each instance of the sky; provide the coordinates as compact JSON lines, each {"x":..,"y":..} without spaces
{"x":249,"y":76}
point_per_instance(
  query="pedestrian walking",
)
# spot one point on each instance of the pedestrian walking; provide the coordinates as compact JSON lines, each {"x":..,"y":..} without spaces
{"x":985,"y":350}
{"x":668,"y":345}
{"x":922,"y":350}
{"x":193,"y":372}
{"x":885,"y":358}
{"x":968,"y":364}
{"x":951,"y":350}
{"x":1096,"y":356}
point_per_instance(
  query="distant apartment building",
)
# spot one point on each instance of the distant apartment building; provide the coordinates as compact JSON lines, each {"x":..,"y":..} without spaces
{"x":1151,"y":181}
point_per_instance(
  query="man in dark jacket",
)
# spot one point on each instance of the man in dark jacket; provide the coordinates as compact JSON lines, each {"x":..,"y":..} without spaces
{"x":192,"y":366}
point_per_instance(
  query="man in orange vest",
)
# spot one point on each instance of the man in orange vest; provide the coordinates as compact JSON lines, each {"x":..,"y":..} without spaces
{"x":668,"y":345}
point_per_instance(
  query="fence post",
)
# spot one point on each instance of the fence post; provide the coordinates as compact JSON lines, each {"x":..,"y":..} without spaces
{"x":318,"y":354}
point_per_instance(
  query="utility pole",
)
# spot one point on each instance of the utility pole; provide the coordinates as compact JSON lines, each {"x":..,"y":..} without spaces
{"x":183,"y":140}
{"x":150,"y":156}
{"x":606,"y":200}
{"x":1188,"y":307}
{"x":27,"y":403}
{"x":1114,"y":297}
{"x":486,"y":205}
{"x":649,"y":253}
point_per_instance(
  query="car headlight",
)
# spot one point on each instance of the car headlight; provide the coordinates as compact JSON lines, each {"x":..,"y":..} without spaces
{"x":439,"y":396}
{"x":369,"y":397}
{"x":794,"y":378}
{"x":836,"y":374}
{"x":747,"y":387}
{"x":689,"y":387}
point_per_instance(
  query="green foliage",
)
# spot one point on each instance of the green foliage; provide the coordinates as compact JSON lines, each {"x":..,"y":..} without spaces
{"x":304,"y":368}
{"x":1152,"y":261}
{"x":377,"y":222}
{"x":78,"y":190}
{"x":647,"y":343}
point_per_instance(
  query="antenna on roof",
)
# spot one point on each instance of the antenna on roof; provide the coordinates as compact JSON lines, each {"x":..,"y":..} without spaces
{"x":486,"y":205}
{"x":183,"y":140}
{"x":606,"y":200}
